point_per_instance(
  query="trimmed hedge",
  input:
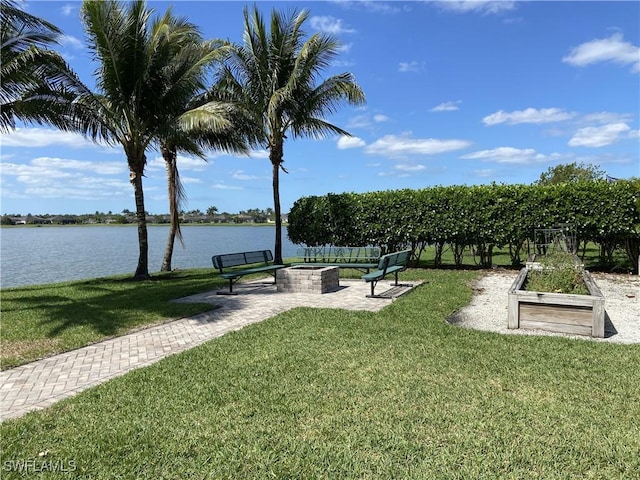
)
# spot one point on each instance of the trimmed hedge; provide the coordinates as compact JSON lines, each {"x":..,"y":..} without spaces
{"x":482,"y":217}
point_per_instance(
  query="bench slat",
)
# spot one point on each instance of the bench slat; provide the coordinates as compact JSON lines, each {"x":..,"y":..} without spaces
{"x":241,"y":258}
{"x":248,"y":271}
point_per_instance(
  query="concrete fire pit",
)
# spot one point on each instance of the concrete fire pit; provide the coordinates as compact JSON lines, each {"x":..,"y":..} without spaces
{"x":308,"y":279}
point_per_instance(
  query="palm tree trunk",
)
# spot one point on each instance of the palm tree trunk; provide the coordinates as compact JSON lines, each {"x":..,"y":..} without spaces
{"x":142,"y":271}
{"x":170,"y":156}
{"x":168,"y":251}
{"x":276,"y":154}
{"x":277,"y":254}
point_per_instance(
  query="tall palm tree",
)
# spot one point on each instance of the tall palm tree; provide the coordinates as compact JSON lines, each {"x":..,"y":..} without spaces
{"x":143,"y":79}
{"x":198,"y":124}
{"x":195,"y":124}
{"x":36,"y":84}
{"x":214,"y":129}
{"x":274,"y":76}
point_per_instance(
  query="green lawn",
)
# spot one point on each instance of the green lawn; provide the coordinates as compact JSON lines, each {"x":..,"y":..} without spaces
{"x":42,"y":320}
{"x":46,"y":319}
{"x":335,"y":394}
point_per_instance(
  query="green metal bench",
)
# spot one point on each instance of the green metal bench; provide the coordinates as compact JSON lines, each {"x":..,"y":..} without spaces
{"x":263,"y":257}
{"x":395,"y":263}
{"x":363,"y":258}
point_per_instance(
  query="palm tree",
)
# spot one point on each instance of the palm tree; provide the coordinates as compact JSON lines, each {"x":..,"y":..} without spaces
{"x":214,"y":129}
{"x":197,"y":124}
{"x":36,"y":84}
{"x":273,"y":75}
{"x":143,"y":78}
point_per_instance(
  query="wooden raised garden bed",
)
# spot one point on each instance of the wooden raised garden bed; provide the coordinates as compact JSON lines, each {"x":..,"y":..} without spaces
{"x":557,"y":312}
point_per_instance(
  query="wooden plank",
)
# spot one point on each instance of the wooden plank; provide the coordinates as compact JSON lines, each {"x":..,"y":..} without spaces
{"x":556,"y":314}
{"x":598,"y":319}
{"x":519,"y":281}
{"x":556,"y":298}
{"x":591,"y":285}
{"x":513,"y":315}
{"x":556,"y":327}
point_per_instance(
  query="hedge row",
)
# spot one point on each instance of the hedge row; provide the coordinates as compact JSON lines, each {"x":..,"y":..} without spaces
{"x":482,"y":217}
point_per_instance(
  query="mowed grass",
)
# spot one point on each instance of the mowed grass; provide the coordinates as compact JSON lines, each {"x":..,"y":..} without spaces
{"x":333,"y":394}
{"x":43,"y":320}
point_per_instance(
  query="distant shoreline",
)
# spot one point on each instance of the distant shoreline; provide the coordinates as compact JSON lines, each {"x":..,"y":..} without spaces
{"x":211,"y":224}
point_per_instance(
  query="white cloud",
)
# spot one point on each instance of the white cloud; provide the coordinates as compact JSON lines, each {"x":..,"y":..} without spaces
{"x":43,"y":137}
{"x":595,"y":137}
{"x":190,"y":180}
{"x":409,"y":168}
{"x":83,"y":188}
{"x":485,"y":172}
{"x":607,"y":117}
{"x":241,"y":175}
{"x":327,"y":24}
{"x":366,"y":120}
{"x":506,"y":155}
{"x":345,"y":142}
{"x":259,"y":154}
{"x":612,"y":49}
{"x":345,"y":47}
{"x":529,"y":115}
{"x":59,"y":167}
{"x":374,"y":6}
{"x":476,"y":6}
{"x":49,"y":177}
{"x":360,"y":121}
{"x":70,"y":41}
{"x":67,"y":9}
{"x":634,"y":134}
{"x":191,"y":164}
{"x":222,"y":186}
{"x":412,"y":66}
{"x":342,"y":63}
{"x":398,"y":146}
{"x":184,"y":164}
{"x":102,"y":168}
{"x":447,"y":106}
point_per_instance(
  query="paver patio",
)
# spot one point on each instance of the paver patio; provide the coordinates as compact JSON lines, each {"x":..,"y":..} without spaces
{"x":40,"y":384}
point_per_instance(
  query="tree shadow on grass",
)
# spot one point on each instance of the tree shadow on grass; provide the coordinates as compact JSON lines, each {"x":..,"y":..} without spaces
{"x":106,"y":307}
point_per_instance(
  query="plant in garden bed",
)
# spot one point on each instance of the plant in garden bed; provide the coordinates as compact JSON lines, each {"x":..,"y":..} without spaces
{"x":558,"y":272}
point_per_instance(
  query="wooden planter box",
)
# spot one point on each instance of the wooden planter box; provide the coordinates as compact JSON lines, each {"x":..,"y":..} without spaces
{"x":557,"y":312}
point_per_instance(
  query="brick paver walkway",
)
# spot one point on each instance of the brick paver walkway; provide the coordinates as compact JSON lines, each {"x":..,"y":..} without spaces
{"x":41,"y":383}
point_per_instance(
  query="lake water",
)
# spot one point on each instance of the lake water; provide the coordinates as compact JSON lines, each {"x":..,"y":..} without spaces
{"x":32,"y":255}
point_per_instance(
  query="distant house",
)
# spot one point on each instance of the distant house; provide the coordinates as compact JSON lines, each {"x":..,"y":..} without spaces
{"x":243,"y":218}
{"x":220,"y":218}
{"x":195,"y":219}
{"x":63,"y":220}
{"x":30,"y":220}
{"x":284,"y":218}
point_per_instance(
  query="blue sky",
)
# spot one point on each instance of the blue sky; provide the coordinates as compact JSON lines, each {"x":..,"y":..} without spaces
{"x":457,"y":93}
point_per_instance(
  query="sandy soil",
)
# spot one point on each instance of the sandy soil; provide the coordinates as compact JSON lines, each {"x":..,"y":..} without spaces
{"x":488,"y":308}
